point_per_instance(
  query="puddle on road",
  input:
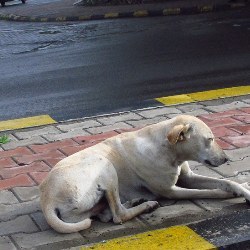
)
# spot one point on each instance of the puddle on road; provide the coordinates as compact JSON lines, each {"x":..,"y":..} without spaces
{"x":18,"y":38}
{"x":28,"y":49}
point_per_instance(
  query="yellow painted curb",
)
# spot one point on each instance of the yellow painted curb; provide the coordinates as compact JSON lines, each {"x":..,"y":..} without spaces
{"x":171,"y":11}
{"x":44,"y":19}
{"x":205,"y":95}
{"x":111,"y":15}
{"x":172,"y":238}
{"x":140,"y":13}
{"x":60,"y":19}
{"x":206,"y":8}
{"x":26,"y":122}
{"x":84,"y":18}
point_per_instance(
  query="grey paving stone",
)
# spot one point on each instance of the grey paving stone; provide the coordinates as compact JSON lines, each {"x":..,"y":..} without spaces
{"x":119,"y":125}
{"x":25,"y":142}
{"x":218,"y":204}
{"x":151,"y":113}
{"x":7,"y":197}
{"x":109,"y":120}
{"x":26,"y":193}
{"x":67,"y":135}
{"x":161,"y":214}
{"x":233,"y":168}
{"x":190,"y":107}
{"x":242,"y":177}
{"x":193,"y":164}
{"x":6,"y":244}
{"x":28,"y":241}
{"x":99,"y":229}
{"x":222,"y":101}
{"x":238,"y":154}
{"x":196,"y":112}
{"x":20,"y":224}
{"x":202,"y":170}
{"x":246,"y":100}
{"x":8,"y":212}
{"x":11,"y":137}
{"x":37,"y":132}
{"x":78,"y":125}
{"x":229,"y":106}
{"x":38,"y":217}
{"x":145,"y":122}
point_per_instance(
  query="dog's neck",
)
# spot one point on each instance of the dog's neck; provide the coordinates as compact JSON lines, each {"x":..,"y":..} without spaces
{"x":158,"y":135}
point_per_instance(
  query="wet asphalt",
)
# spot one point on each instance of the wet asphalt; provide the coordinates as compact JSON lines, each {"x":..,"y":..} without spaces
{"x":73,"y":70}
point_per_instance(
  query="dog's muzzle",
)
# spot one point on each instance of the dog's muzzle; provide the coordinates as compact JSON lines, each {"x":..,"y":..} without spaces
{"x":226,"y":159}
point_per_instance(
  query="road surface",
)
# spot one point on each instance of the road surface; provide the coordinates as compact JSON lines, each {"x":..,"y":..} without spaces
{"x":72,"y":70}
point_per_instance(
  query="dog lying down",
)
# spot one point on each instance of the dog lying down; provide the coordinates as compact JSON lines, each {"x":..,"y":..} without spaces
{"x":123,"y":176}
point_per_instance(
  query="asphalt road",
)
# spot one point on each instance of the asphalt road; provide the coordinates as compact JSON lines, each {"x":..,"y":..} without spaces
{"x":75,"y":70}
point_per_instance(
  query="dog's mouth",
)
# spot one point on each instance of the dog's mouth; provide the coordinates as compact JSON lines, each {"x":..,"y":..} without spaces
{"x":209,"y":163}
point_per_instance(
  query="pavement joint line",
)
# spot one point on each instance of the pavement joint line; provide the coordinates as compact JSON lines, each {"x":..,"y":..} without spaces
{"x":27,"y":122}
{"x":198,"y":9}
{"x":204,"y":95}
{"x":172,"y":238}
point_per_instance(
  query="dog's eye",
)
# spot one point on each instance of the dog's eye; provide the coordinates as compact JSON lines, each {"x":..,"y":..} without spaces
{"x":211,"y":139}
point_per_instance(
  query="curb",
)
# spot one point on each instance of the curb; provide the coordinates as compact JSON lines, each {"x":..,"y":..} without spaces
{"x":229,"y":231}
{"x":168,"y":101}
{"x":140,"y":13}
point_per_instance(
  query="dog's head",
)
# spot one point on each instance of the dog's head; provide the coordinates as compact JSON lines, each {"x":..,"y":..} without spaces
{"x":194,"y":140}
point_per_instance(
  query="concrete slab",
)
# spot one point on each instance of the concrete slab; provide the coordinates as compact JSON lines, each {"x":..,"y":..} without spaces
{"x":161,"y":214}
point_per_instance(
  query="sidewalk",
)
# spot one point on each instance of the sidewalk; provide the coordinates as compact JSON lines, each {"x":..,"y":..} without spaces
{"x":31,"y":153}
{"x":64,"y":10}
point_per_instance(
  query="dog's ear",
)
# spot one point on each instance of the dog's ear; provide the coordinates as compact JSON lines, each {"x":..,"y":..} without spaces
{"x":179,"y":133}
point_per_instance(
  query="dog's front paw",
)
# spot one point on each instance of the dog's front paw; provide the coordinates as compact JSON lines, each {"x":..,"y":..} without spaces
{"x":151,"y":206}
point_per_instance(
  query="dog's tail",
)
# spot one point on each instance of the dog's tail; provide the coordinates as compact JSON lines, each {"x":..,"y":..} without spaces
{"x":50,"y":213}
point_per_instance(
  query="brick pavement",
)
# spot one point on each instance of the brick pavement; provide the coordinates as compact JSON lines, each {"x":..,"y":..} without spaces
{"x":31,"y":153}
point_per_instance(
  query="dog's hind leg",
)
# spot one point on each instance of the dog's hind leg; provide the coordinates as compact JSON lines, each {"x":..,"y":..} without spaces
{"x":119,"y":212}
{"x":106,"y":215}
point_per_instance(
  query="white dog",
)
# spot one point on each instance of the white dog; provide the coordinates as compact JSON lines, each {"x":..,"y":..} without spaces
{"x":114,"y":178}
